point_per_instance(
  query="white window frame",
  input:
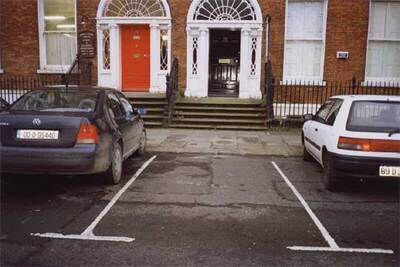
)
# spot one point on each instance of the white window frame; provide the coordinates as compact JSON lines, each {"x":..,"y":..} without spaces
{"x":378,"y":81}
{"x":1,"y":69}
{"x":44,"y":68}
{"x":306,"y":79}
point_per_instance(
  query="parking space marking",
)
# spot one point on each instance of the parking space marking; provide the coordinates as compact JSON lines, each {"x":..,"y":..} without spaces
{"x":333,"y":246}
{"x":88,"y":234}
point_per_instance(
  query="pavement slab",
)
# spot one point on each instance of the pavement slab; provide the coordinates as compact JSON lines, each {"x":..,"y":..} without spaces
{"x":284,"y":143}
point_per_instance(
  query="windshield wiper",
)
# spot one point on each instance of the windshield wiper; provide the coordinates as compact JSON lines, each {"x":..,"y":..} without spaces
{"x":395,"y":131}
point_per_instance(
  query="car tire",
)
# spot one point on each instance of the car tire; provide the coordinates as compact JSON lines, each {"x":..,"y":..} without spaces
{"x":114,"y":173}
{"x":329,"y":177}
{"x":142,"y":144}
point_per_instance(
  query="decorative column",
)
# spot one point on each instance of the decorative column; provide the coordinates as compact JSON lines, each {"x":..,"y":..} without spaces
{"x":154,"y":58}
{"x":250,"y":68}
{"x":193,"y":63}
{"x":115,"y":68}
{"x":204,"y":61}
{"x":244,"y":63}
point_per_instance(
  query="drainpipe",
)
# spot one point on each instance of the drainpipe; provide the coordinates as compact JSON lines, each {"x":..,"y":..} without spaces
{"x":267,"y":35}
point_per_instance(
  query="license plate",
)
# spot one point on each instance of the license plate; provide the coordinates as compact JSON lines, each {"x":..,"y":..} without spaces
{"x":37,"y":135}
{"x":386,"y":171}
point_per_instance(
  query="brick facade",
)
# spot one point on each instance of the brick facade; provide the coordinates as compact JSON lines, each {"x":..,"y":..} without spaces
{"x":347,"y":30}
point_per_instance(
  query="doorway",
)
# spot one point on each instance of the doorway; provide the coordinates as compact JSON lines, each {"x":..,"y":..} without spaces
{"x":135,"y":58}
{"x":224,"y":63}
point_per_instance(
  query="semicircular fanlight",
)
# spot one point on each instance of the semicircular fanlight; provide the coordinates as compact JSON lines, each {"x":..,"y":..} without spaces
{"x":225,"y":10}
{"x":134,"y":8}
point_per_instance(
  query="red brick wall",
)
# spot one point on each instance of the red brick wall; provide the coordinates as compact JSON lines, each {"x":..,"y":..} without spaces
{"x":347,"y":29}
{"x":21,"y":45}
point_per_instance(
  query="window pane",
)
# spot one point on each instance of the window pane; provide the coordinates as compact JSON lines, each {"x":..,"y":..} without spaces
{"x":305,"y":20}
{"x":393,"y":31}
{"x":58,"y":100}
{"x":378,"y":18}
{"x":60,"y":48}
{"x":383,"y":59}
{"x":374,"y":116}
{"x":59,"y":15}
{"x":303,"y":59}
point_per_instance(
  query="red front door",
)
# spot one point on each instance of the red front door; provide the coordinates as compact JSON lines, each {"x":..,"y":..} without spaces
{"x":135,"y":53}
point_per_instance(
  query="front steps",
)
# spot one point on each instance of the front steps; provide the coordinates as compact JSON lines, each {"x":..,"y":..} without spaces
{"x":219,"y":113}
{"x":154,"y":104}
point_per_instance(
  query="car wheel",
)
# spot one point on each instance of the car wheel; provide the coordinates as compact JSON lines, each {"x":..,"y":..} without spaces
{"x":114,"y":173}
{"x":329,"y":177}
{"x":142,"y":144}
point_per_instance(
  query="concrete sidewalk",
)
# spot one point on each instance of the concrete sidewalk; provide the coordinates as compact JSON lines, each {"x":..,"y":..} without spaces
{"x":225,"y":142}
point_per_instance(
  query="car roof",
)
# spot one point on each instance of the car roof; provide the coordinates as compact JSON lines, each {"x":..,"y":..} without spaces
{"x":77,"y":88}
{"x":368,"y":97}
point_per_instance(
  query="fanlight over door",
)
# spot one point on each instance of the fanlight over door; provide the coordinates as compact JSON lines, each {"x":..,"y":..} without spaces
{"x":134,"y":8}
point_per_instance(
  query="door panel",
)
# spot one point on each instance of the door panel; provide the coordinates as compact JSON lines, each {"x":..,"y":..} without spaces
{"x":224,"y":63}
{"x":135,"y":53}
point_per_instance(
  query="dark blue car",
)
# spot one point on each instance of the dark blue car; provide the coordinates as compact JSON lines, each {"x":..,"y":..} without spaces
{"x":70,"y":131}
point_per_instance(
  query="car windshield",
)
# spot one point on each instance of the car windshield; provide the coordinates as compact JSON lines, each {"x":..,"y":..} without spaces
{"x":58,"y":101}
{"x":374,"y":116}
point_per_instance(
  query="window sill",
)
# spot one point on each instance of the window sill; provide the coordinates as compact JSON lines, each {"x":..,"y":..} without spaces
{"x":303,"y":82}
{"x":381,"y":83}
{"x":52,"y":71}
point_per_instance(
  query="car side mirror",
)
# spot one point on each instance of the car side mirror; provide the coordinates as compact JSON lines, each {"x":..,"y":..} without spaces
{"x":308,"y":117}
{"x":141,"y":111}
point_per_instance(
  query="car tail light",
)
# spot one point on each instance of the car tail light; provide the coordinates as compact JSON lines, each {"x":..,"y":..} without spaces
{"x":87,"y":134}
{"x":368,"y":145}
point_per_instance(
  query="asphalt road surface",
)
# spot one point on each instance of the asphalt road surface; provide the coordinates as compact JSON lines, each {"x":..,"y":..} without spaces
{"x":200,"y":210}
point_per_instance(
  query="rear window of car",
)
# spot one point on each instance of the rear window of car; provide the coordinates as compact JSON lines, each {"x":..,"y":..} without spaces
{"x":374,"y":116}
{"x":58,"y":101}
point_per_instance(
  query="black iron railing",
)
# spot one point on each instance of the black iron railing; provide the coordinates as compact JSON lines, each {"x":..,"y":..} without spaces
{"x":172,"y":91}
{"x":14,"y":86}
{"x":293,"y":99}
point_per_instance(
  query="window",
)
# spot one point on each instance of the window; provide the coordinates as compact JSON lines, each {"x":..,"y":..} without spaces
{"x":374,"y":116}
{"x":305,"y":40}
{"x":57,"y":34}
{"x":164,"y":49}
{"x":106,"y":49}
{"x":383,"y":54}
{"x":1,"y":70}
{"x":334,"y":112}
{"x":323,"y":112}
{"x":114,"y":107}
{"x":225,"y":10}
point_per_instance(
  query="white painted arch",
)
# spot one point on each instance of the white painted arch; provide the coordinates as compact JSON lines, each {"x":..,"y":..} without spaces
{"x":198,"y":44}
{"x":160,"y":24}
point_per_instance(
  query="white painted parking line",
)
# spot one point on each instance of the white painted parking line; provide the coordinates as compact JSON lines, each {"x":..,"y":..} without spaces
{"x":88,"y":233}
{"x":333,"y":247}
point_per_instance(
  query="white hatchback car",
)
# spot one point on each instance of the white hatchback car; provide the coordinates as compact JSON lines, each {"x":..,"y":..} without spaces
{"x":355,"y":136}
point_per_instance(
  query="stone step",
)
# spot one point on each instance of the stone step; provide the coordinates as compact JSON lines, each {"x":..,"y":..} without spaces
{"x":218,"y":108}
{"x":218,"y":127}
{"x":149,"y":103}
{"x":153,"y":124}
{"x":219,"y":114}
{"x":218,"y":121}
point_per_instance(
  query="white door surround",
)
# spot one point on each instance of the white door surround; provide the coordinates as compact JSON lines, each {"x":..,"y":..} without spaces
{"x":246,"y":17}
{"x":109,"y":18}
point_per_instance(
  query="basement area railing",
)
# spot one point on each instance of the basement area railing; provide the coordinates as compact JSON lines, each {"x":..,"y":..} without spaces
{"x":14,"y":86}
{"x":291,"y":100}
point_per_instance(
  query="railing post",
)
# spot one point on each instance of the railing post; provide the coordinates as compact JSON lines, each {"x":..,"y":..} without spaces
{"x":269,"y":91}
{"x":172,"y":90}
